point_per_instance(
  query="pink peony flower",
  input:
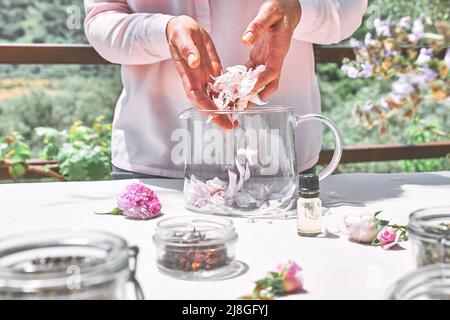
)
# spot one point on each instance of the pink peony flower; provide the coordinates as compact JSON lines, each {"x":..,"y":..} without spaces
{"x":139,"y":202}
{"x":388,"y":237}
{"x":361,"y":227}
{"x":292,"y":280}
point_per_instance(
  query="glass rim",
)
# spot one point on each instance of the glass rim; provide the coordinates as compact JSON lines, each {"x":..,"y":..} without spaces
{"x":116,"y":259}
{"x":421,"y":218}
{"x":402,"y":287}
{"x":222,"y":224}
{"x":251,"y":110}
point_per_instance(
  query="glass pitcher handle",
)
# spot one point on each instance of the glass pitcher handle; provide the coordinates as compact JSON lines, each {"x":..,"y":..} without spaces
{"x":337,"y":141}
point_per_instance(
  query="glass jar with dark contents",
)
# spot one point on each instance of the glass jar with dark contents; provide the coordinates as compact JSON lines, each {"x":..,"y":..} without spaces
{"x":195,"y":247}
{"x":429,"y":231}
{"x":82,"y":265}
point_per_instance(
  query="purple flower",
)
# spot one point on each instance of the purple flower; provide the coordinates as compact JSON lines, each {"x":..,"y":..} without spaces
{"x":402,"y":87}
{"x":367,"y":70}
{"x":424,"y":57}
{"x":397,"y":98}
{"x":355,"y":43}
{"x":384,"y":104}
{"x":368,"y":41}
{"x":382,"y":28}
{"x":350,"y":71}
{"x":408,"y":83}
{"x":404,"y":23}
{"x":430,"y":75}
{"x":417,"y":79}
{"x":139,"y":202}
{"x":418,"y":29}
{"x":368,"y":106}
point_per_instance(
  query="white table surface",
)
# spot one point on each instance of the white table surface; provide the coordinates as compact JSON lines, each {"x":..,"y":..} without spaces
{"x":333,"y":268}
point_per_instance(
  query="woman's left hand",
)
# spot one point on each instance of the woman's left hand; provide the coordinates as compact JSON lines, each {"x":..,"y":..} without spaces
{"x":270,"y":34}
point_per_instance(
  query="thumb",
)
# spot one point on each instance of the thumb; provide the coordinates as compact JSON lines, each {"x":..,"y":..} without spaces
{"x":268,"y":14}
{"x":188,"y":50}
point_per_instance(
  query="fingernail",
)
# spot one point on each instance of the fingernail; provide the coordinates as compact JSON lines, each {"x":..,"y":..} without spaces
{"x":248,"y":37}
{"x":191,"y":59}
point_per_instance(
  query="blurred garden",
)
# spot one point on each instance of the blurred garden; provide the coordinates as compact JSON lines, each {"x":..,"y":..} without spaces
{"x":392,"y":93}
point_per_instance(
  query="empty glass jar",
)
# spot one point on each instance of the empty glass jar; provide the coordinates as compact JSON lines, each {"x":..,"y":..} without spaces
{"x":249,"y":169}
{"x":86,"y":265}
{"x":195,"y":248}
{"x":429,"y":230}
{"x":426,"y":283}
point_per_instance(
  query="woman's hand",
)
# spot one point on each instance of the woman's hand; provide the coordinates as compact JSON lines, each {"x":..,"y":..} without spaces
{"x":196,"y":60}
{"x":270,"y":34}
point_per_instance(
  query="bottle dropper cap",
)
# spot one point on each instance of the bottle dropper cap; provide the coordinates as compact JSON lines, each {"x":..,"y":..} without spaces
{"x":309,"y":185}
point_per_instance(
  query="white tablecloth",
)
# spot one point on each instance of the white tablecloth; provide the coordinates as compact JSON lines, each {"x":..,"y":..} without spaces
{"x":333,"y":267}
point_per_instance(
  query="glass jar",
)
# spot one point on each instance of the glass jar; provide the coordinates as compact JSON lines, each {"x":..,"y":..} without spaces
{"x":429,"y":231}
{"x":192,"y":247}
{"x":251,"y":169}
{"x":75,"y":265}
{"x":426,"y":283}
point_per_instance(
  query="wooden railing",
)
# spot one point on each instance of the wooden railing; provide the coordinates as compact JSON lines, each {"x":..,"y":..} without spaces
{"x":389,"y":152}
{"x":85,"y":54}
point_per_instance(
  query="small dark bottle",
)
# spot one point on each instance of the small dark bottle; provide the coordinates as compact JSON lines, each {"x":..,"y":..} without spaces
{"x":309,"y":207}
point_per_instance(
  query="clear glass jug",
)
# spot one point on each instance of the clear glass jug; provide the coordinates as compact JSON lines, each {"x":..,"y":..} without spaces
{"x":243,"y":163}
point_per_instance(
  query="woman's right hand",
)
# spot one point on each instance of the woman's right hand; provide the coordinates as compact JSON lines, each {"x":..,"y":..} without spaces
{"x":196,"y":61}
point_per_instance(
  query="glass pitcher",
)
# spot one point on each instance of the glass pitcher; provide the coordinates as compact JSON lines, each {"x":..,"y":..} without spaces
{"x":243,"y":163}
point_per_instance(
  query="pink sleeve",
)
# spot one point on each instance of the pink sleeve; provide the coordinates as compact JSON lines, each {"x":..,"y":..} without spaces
{"x":123,"y":37}
{"x":329,"y":21}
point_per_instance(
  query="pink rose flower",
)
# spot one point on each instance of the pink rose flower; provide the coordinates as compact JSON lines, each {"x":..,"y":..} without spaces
{"x":292,"y":280}
{"x":361,"y":227}
{"x":139,"y":202}
{"x":388,"y":237}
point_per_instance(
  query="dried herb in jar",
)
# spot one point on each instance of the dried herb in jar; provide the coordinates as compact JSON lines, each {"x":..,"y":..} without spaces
{"x":437,"y":251}
{"x":196,"y":257}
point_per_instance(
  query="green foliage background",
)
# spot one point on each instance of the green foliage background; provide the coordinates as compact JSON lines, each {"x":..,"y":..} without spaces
{"x":51,"y":95}
{"x":56,"y":96}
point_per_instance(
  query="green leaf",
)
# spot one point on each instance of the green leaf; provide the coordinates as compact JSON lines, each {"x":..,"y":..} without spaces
{"x":375,"y":242}
{"x":82,"y":153}
{"x":274,"y":274}
{"x":17,"y":170}
{"x":380,"y":223}
{"x":377,"y":213}
{"x":278,"y":287}
{"x":262,"y":282}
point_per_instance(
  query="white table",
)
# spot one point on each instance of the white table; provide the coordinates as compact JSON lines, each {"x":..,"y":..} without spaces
{"x":334,"y":268}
